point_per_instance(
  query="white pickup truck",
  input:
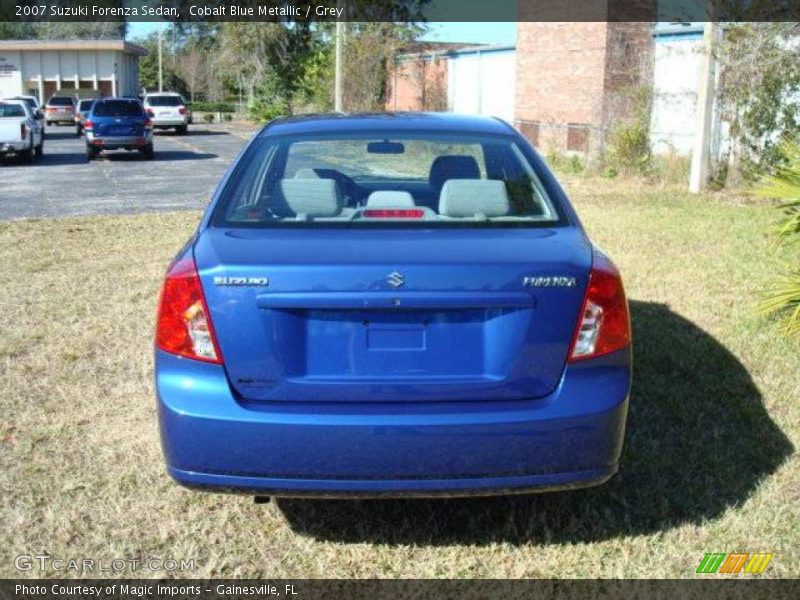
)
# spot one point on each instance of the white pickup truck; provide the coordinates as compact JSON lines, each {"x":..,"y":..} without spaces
{"x":20,"y":133}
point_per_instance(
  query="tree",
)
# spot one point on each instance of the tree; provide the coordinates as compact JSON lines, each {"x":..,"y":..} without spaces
{"x":192,"y":66}
{"x":757,"y":95}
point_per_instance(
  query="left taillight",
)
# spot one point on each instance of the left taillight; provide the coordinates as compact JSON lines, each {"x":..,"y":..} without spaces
{"x":23,"y":131}
{"x":182,"y":110}
{"x":604,"y":324}
{"x":184,"y":324}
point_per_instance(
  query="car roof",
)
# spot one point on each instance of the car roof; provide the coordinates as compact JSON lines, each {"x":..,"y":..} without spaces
{"x":387,"y":121}
{"x":161,"y":94}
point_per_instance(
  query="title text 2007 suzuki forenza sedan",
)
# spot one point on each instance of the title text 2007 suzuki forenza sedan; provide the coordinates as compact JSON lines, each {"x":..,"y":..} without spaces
{"x":391,"y":304}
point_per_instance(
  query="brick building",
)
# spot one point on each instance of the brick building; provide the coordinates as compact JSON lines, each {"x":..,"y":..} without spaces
{"x":574,"y":81}
{"x":566,"y":85}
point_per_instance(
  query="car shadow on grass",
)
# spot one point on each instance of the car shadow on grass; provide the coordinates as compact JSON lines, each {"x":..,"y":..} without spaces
{"x":699,"y":441}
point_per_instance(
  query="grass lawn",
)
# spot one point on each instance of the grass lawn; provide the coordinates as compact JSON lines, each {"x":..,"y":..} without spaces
{"x":709,"y":463}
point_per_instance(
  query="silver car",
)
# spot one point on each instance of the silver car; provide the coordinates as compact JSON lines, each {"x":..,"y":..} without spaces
{"x":168,"y":110}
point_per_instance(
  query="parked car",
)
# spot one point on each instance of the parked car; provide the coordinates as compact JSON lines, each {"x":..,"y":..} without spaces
{"x":33,"y":104}
{"x":168,"y":110}
{"x":20,"y":132}
{"x":401,"y":304}
{"x":60,"y":109}
{"x":83,"y":109}
{"x":118,"y":124}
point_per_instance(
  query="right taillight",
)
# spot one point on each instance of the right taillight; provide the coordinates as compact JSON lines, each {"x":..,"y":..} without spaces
{"x":88,"y":125}
{"x":184,"y":323}
{"x":604,"y":324}
{"x":23,"y":131}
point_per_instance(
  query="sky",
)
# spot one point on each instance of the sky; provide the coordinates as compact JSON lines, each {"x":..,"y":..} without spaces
{"x":504,"y":33}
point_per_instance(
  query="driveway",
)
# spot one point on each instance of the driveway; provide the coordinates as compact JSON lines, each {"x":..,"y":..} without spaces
{"x":183,"y":175}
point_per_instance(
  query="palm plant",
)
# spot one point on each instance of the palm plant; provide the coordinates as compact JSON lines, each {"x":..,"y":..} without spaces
{"x":783,"y":296}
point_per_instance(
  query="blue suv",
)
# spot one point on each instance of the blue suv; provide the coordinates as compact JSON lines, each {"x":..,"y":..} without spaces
{"x":391,"y":304}
{"x":118,"y":124}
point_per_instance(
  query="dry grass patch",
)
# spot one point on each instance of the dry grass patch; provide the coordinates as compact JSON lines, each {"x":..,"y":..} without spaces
{"x":709,"y":462}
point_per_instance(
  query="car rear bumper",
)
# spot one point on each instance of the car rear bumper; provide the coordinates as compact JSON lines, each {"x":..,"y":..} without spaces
{"x":215,"y":440}
{"x":60,"y":118}
{"x":169,"y":122}
{"x":13,"y":147}
{"x":118,"y":142}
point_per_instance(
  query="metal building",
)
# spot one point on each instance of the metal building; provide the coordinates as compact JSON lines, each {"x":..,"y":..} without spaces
{"x":43,"y":67}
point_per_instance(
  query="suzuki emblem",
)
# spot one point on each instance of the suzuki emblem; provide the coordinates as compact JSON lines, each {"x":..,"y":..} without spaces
{"x":395,"y":279}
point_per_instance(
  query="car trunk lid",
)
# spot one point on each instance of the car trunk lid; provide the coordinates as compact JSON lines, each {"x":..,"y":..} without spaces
{"x":393,"y":315}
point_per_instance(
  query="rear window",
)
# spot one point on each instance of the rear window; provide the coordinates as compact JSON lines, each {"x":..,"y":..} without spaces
{"x":11,"y":110}
{"x":60,"y":101}
{"x":85,"y":105}
{"x":117,"y":108}
{"x":164,"y":100}
{"x":375,"y":179}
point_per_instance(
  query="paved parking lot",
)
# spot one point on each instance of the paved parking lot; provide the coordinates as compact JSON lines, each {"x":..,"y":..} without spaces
{"x":183,"y":175}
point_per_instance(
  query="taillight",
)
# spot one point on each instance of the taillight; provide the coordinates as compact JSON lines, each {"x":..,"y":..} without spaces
{"x":23,"y":131}
{"x":88,"y":125}
{"x":604,"y":323}
{"x":181,"y":110}
{"x":150,"y":112}
{"x":184,"y":323}
{"x":393,"y":213}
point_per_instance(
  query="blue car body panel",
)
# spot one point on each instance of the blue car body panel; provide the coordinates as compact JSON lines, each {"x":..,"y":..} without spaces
{"x":336,"y":382}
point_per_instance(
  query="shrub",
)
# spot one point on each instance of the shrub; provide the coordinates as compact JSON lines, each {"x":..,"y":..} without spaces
{"x":208,"y":117}
{"x":629,"y":147}
{"x":783,"y":297}
{"x":227,"y":117}
{"x":213,"y":107}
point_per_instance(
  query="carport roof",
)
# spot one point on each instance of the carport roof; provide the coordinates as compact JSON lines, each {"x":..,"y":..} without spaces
{"x":80,"y":45}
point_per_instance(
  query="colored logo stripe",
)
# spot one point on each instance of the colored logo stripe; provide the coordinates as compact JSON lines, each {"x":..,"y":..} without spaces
{"x":758,"y":562}
{"x":710,"y":563}
{"x":734,"y":562}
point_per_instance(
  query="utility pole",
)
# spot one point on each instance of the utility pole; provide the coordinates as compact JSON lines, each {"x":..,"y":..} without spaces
{"x":160,"y":59}
{"x":698,"y":177}
{"x":337,"y":92}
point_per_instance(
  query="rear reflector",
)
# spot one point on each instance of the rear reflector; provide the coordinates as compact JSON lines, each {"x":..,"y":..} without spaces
{"x":394,"y":213}
{"x":604,"y":323}
{"x":184,"y":324}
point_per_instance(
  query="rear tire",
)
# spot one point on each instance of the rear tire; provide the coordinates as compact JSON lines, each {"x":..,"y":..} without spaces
{"x":182,"y":129}
{"x":39,"y":150}
{"x":78,"y":132}
{"x":28,"y":155}
{"x":148,"y":152}
{"x":91,"y":153}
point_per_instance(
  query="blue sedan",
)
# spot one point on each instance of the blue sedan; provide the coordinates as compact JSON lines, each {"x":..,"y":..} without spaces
{"x":391,"y":305}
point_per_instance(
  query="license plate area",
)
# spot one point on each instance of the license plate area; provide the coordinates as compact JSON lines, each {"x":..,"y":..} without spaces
{"x":381,"y":345}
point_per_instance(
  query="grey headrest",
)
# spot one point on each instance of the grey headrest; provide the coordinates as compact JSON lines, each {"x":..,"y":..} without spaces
{"x":306,"y":173}
{"x":311,"y":197}
{"x":470,"y":197}
{"x":390,"y":199}
{"x":452,"y":166}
